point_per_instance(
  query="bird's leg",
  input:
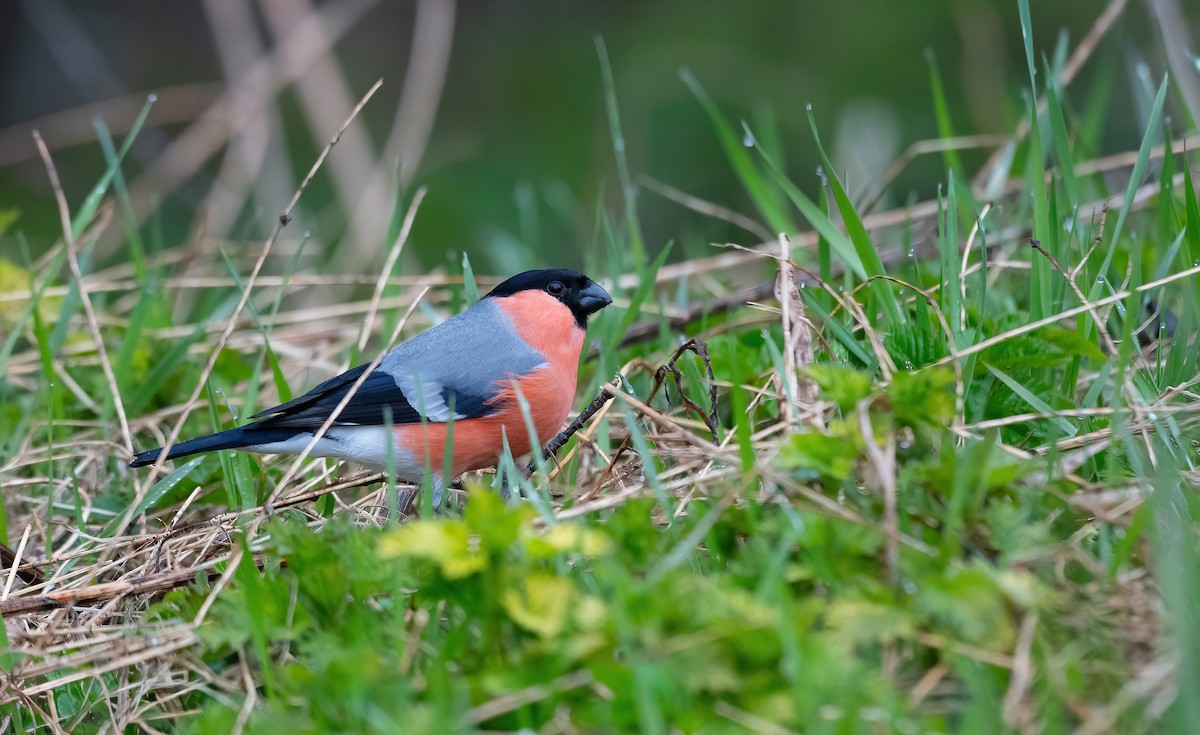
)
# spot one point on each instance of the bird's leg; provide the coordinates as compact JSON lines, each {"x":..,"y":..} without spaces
{"x":438,"y":485}
{"x":406,"y":501}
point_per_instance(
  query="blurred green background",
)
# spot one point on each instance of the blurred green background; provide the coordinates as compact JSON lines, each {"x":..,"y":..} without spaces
{"x":499,"y":109}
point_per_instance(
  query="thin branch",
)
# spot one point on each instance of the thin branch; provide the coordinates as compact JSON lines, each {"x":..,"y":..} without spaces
{"x":564,"y":436}
{"x":76,"y":272}
{"x":284,"y":219}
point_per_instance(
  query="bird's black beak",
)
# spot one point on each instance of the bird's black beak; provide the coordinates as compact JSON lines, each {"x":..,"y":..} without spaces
{"x":593,"y":298}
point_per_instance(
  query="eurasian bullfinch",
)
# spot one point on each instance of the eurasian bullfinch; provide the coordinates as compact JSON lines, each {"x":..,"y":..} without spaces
{"x":524,"y":337}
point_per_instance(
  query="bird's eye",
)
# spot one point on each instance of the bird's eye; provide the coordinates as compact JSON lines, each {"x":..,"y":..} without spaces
{"x":555,"y":288}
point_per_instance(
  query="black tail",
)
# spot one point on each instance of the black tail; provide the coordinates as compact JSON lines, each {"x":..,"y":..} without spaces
{"x":243,"y":436}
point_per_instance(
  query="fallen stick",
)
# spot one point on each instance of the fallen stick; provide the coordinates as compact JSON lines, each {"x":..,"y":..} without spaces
{"x":565,"y":435}
{"x":102,"y":592}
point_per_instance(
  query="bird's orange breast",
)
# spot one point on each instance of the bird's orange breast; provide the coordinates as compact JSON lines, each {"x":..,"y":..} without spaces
{"x":549,"y":327}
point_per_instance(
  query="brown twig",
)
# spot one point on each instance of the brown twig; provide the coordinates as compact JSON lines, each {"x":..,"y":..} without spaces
{"x":98,"y":593}
{"x":76,"y":272}
{"x":509,"y":702}
{"x":710,"y":419}
{"x":644,"y":331}
{"x":701,"y":350}
{"x":28,"y":572}
{"x":564,"y":436}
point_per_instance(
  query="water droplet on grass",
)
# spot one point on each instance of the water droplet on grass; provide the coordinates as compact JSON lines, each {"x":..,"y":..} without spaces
{"x":747,"y":136}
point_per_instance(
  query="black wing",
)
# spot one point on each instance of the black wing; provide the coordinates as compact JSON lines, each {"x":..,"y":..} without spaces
{"x":368,"y":406}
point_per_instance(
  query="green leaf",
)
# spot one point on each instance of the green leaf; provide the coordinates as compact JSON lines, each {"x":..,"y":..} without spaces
{"x":164,"y":486}
{"x":569,"y":538}
{"x":843,"y":386}
{"x":636,"y":244}
{"x":1033,"y":400}
{"x":446,"y":543}
{"x":971,"y":603}
{"x":820,"y":222}
{"x":281,"y":384}
{"x":1135,"y":180}
{"x":7,"y":218}
{"x":923,"y":398}
{"x":840,"y":332}
{"x":858,"y":235}
{"x":765,"y":197}
{"x":826,"y":455}
{"x":470,"y":288}
{"x":92,"y":203}
{"x":942,"y":112}
{"x":542,"y":604}
{"x":858,"y":621}
{"x":645,"y":286}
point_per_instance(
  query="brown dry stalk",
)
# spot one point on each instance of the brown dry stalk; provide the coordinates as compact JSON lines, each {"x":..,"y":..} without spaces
{"x":884,"y":461}
{"x":150,"y":584}
{"x":1017,"y":712}
{"x":284,"y":219}
{"x":797,"y":337}
{"x":529,"y":695}
{"x":129,"y":652}
{"x":64,"y":214}
{"x":696,"y":346}
{"x":103,"y":592}
{"x":564,"y":436}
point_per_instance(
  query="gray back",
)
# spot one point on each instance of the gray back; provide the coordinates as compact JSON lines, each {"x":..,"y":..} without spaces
{"x":465,"y":356}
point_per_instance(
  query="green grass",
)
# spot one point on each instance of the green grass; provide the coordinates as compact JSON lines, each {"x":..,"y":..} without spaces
{"x":982,"y":525}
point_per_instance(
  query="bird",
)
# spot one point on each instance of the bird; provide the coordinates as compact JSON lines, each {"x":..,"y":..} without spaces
{"x":463,"y":379}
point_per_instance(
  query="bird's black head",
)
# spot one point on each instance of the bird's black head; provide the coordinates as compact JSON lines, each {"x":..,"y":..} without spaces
{"x":580,"y":294}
